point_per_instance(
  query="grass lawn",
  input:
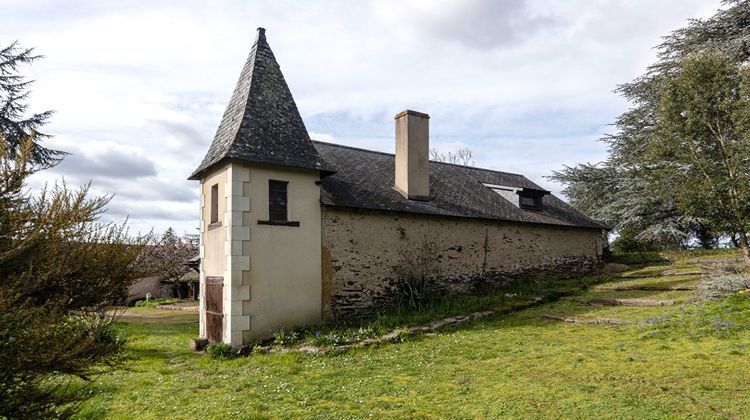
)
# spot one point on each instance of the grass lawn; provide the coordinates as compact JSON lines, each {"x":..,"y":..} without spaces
{"x":516,"y":365}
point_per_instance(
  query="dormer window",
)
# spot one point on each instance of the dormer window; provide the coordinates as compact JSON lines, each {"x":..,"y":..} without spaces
{"x":529,"y":202}
{"x":523,"y":198}
{"x":530,"y":199}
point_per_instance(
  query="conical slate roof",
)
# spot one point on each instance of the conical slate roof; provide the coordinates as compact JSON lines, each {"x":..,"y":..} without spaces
{"x":261,"y":123}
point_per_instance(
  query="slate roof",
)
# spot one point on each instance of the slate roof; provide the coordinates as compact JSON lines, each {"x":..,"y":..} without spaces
{"x":364,"y":179}
{"x":261,"y":123}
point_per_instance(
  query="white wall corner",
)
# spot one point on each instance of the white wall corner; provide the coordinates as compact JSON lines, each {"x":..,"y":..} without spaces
{"x":236,"y":248}
{"x":239,"y":233}
{"x":236,"y":187}
{"x":235,"y":338}
{"x":240,"y":293}
{"x":240,"y":323}
{"x":232,"y":277}
{"x":235,"y":308}
{"x":240,"y":262}
{"x":228,"y":188}
{"x":240,"y":174}
{"x":235,"y":218}
{"x":239,"y":203}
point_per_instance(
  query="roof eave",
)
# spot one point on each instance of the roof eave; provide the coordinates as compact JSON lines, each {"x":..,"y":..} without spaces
{"x":200,"y":173}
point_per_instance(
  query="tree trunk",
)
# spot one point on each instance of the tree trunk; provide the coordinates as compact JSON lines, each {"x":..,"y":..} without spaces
{"x":176,"y":288}
{"x":705,"y":237}
{"x":745,"y":247}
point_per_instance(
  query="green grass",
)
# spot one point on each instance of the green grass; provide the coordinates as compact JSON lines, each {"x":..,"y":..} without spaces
{"x":514,"y":365}
{"x":155,"y":302}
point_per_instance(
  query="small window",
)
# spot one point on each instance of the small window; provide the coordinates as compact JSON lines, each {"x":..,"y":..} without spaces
{"x":277,"y":201}
{"x":214,"y":203}
{"x":530,"y":202}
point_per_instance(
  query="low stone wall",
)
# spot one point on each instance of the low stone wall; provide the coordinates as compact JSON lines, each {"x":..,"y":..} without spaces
{"x":367,"y":253}
{"x":184,"y":308}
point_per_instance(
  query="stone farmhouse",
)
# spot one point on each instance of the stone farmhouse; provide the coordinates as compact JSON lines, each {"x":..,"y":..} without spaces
{"x":294,"y":232}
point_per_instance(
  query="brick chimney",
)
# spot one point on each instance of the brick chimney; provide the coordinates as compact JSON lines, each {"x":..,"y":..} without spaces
{"x":412,"y":155}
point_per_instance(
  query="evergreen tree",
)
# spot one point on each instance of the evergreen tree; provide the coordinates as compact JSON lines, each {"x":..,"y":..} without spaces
{"x":59,"y":267}
{"x":701,"y":149}
{"x":621,"y":190}
{"x":15,"y":125}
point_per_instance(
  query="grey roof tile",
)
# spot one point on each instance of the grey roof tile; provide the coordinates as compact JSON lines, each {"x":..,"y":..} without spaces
{"x":364,"y":179}
{"x":261,"y":123}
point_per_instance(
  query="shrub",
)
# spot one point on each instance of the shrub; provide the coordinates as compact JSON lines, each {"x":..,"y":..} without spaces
{"x":285,"y":337}
{"x":627,"y":242}
{"x":220,"y":351}
{"x":411,"y":294}
{"x":330,"y":339}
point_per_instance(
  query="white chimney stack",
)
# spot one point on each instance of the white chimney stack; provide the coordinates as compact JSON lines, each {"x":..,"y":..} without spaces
{"x":413,"y":155}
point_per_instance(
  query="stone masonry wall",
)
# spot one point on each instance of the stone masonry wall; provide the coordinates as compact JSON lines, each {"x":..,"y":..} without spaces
{"x":366,"y":253}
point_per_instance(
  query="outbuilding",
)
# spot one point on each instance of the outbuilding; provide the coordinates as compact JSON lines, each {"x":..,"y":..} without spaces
{"x":295,"y":231}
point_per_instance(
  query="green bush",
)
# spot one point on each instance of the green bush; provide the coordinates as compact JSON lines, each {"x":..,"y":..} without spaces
{"x":626,"y":242}
{"x":284,"y":337}
{"x":411,"y":294}
{"x":220,"y":351}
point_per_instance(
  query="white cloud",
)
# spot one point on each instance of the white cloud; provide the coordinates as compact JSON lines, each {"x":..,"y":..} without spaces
{"x":139,"y":86}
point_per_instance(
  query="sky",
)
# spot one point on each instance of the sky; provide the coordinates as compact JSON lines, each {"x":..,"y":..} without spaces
{"x":139,"y":87}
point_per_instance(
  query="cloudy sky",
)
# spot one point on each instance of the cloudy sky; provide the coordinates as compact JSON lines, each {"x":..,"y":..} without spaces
{"x":139,"y":87}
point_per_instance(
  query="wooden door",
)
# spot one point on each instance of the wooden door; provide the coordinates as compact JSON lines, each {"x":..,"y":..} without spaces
{"x":214,"y":309}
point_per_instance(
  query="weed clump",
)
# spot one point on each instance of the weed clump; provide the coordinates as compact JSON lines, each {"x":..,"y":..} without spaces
{"x":220,"y":351}
{"x":285,"y":337}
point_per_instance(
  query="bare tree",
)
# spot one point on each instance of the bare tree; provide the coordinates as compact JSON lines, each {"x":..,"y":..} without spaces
{"x":460,"y":157}
{"x":168,"y":255}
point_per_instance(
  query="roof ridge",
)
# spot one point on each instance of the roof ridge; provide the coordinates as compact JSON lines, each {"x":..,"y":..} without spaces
{"x":431,"y":161}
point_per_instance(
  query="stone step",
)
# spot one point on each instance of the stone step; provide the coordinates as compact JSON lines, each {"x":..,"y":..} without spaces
{"x":647,"y":289}
{"x":623,"y":302}
{"x":668,"y":273}
{"x":573,"y":320}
